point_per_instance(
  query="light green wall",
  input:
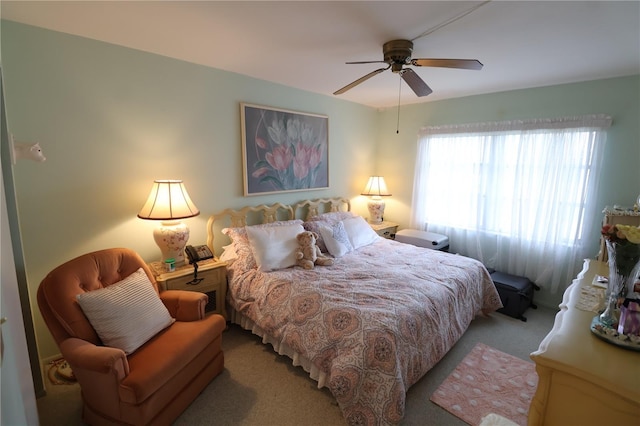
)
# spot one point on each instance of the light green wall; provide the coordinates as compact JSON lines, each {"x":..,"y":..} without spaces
{"x":619,"y":97}
{"x":111,"y":119}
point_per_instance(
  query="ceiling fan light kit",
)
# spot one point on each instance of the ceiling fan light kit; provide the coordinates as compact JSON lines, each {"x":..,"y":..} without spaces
{"x":397,"y":55}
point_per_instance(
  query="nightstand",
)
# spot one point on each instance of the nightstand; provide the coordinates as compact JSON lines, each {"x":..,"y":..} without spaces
{"x":385,"y":229}
{"x":212,"y":280}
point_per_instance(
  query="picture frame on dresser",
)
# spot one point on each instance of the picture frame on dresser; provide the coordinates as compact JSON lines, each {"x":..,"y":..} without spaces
{"x":283,"y":150}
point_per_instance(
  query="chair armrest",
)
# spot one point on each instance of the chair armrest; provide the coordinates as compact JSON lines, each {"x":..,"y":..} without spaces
{"x":83,"y":355}
{"x":99,"y":370}
{"x":185,"y":305}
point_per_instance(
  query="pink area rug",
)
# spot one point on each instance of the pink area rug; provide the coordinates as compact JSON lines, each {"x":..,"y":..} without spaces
{"x":488,"y":381}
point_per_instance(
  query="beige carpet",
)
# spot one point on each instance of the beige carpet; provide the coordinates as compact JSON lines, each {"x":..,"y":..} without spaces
{"x":488,"y":381}
{"x":260,"y":388}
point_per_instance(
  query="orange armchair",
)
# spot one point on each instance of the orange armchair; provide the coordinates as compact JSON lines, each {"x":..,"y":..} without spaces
{"x":156,"y":382}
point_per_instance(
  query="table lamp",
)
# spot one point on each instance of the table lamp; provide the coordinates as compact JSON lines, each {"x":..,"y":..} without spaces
{"x":169,"y":202}
{"x":376,"y":189}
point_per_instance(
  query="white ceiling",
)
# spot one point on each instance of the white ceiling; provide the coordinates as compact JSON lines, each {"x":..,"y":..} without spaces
{"x":305,"y":44}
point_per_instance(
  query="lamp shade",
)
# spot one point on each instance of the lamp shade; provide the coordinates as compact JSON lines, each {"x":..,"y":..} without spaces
{"x":376,"y":187}
{"x":168,"y":200}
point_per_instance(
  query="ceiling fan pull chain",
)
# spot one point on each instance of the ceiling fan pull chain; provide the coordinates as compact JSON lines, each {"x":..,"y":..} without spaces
{"x":399,"y":90}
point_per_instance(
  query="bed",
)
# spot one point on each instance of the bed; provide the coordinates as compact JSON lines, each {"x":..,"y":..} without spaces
{"x":367,"y":327}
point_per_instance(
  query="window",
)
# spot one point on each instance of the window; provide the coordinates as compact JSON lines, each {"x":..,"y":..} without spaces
{"x":515,"y":195}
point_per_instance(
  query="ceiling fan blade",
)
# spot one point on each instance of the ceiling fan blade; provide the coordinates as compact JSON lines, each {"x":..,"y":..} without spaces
{"x":360,"y":80}
{"x":415,"y":82}
{"x":366,"y":62}
{"x":467,"y":64}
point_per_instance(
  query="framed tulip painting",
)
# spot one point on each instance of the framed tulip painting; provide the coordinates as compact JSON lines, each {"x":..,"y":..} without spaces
{"x":283,"y":150}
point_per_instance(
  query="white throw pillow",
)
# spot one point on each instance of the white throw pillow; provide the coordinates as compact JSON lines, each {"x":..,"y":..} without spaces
{"x":126,"y":314}
{"x":359,"y":232}
{"x":336,"y":239}
{"x":275,"y":247}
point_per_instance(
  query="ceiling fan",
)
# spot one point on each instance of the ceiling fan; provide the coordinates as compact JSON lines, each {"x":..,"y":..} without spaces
{"x":397,"y":54}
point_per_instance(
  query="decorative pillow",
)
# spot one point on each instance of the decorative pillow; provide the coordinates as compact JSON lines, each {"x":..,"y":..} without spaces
{"x":274,"y":247}
{"x":236,"y":235}
{"x":229,"y":253}
{"x":126,"y":314}
{"x":336,"y":239}
{"x":324,"y":219}
{"x":240,"y":241}
{"x":315,"y":227}
{"x":359,"y":232}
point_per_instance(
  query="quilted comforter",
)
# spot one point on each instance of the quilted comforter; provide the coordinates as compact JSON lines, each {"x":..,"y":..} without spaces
{"x":375,"y":322}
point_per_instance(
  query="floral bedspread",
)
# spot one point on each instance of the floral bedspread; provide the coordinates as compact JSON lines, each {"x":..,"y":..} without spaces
{"x":375,"y":322}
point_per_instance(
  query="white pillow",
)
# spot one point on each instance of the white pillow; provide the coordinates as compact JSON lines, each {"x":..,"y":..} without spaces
{"x":336,"y":239}
{"x":274,"y":247}
{"x":126,"y":314}
{"x":359,"y":232}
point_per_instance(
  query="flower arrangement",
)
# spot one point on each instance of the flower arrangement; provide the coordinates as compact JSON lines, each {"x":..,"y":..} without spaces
{"x":623,"y":245}
{"x":623,"y":249}
{"x":619,"y":233}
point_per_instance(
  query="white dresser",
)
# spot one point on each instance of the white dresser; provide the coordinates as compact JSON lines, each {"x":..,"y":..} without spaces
{"x":584,"y":380}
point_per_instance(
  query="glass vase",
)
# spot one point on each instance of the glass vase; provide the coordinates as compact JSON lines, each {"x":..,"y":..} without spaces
{"x":624,"y":267}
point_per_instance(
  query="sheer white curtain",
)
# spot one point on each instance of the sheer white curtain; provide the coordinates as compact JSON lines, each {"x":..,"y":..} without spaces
{"x":515,"y":195}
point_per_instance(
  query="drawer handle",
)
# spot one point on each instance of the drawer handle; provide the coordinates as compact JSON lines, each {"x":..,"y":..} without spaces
{"x":195,"y":281}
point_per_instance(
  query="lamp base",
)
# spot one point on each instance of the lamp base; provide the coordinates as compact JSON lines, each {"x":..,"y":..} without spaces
{"x":376,"y":210}
{"x":172,"y":237}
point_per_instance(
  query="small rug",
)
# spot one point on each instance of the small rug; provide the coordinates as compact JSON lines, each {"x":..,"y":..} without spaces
{"x":488,"y":381}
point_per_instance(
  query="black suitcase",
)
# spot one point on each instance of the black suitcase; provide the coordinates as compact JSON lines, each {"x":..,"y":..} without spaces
{"x":516,"y":294}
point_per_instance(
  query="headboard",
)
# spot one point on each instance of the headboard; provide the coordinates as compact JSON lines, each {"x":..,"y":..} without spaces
{"x":254,"y":215}
{"x":309,"y":208}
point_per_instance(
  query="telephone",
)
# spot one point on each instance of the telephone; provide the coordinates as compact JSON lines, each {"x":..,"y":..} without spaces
{"x":198,"y":253}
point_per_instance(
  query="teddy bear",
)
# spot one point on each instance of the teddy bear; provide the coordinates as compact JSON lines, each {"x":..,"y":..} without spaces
{"x":308,"y":253}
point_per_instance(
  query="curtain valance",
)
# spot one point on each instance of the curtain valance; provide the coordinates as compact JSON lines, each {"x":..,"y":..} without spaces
{"x":599,"y":121}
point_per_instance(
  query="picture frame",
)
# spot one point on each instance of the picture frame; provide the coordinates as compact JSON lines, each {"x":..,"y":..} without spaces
{"x":283,"y":150}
